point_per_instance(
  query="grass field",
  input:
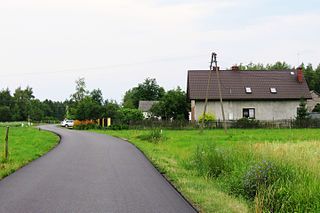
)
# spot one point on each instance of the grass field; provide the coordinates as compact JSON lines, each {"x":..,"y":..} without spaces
{"x":272,"y":170}
{"x":25,"y":145}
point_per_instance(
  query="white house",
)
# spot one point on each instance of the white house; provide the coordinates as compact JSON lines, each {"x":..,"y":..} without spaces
{"x":262,"y":95}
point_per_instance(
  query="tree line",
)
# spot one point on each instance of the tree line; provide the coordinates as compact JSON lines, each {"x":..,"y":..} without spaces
{"x":23,"y":106}
{"x":86,"y":105}
{"x":311,"y":74}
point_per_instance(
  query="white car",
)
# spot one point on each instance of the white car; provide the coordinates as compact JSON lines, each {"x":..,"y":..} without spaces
{"x":67,"y":123}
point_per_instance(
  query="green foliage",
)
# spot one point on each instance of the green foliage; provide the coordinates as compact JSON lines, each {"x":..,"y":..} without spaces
{"x":126,"y":115}
{"x":208,"y":118}
{"x":81,"y":91}
{"x":302,"y":112}
{"x":87,"y":109}
{"x":209,"y":161}
{"x":154,"y":136}
{"x":260,"y":175}
{"x":118,"y":127}
{"x":111,"y":109}
{"x":316,"y":108}
{"x":291,"y":167}
{"x":23,"y":105}
{"x":246,"y":123}
{"x":149,"y":90}
{"x":173,"y":105}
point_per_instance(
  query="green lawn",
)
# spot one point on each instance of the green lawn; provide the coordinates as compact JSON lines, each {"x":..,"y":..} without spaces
{"x":275,"y":170}
{"x":25,"y":145}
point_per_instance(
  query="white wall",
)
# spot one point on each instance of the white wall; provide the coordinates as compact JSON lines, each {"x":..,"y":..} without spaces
{"x":264,"y":110}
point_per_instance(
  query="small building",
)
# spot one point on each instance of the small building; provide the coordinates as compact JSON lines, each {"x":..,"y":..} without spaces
{"x":145,"y":107}
{"x":261,"y":95}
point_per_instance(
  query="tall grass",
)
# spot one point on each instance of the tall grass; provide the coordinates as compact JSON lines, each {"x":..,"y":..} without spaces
{"x":260,"y":170}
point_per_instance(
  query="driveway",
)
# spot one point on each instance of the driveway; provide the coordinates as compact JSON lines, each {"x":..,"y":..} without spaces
{"x":89,"y":172}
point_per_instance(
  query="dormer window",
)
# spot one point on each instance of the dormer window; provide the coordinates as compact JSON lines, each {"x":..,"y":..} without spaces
{"x":248,"y":90}
{"x":273,"y":90}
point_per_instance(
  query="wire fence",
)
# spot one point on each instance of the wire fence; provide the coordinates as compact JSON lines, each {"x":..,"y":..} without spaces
{"x":242,"y":123}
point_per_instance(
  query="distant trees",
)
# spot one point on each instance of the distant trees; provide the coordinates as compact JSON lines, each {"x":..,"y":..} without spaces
{"x":22,"y":106}
{"x":173,"y":105}
{"x":312,"y":75}
{"x":149,"y":90}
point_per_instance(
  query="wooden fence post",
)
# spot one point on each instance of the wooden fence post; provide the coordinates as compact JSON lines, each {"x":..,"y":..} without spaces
{"x":6,"y":148}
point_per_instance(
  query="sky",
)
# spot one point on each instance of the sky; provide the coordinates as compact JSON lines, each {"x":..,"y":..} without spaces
{"x":114,"y":45}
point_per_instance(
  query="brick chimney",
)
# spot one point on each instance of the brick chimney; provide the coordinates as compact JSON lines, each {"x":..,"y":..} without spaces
{"x":299,"y":74}
{"x":235,"y":68}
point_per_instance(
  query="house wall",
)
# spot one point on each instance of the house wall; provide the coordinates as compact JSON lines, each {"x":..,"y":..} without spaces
{"x":264,"y":110}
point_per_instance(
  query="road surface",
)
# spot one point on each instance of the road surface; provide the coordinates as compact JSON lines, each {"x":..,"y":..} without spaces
{"x":89,"y":172}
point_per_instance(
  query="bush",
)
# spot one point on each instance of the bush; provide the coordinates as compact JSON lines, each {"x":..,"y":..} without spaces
{"x":155,"y":136}
{"x":118,"y":127}
{"x":209,"y":161}
{"x":126,"y":115}
{"x":208,"y":118}
{"x":85,"y":125}
{"x":246,"y":123}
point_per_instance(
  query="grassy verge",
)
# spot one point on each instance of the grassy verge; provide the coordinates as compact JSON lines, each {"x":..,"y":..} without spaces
{"x":25,"y":145}
{"x":247,"y":170}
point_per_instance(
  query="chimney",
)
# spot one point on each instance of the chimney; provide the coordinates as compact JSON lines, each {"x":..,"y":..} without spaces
{"x":299,"y":74}
{"x":235,"y":68}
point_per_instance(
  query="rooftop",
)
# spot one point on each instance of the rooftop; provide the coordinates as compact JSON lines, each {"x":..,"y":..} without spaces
{"x":247,"y":85}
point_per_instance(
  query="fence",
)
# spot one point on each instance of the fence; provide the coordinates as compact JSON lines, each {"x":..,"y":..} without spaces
{"x":242,"y":123}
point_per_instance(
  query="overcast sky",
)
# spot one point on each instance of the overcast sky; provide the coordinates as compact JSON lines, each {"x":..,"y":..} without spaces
{"x":48,"y":44}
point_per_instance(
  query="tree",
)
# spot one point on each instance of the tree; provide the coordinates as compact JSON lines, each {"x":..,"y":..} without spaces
{"x":22,"y":99}
{"x":5,"y":114}
{"x":302,"y":112}
{"x":6,"y":103}
{"x":96,"y":95}
{"x":88,"y":109}
{"x":149,"y":90}
{"x":173,"y":105}
{"x":111,"y":109}
{"x":81,"y":91}
{"x":278,"y":66}
{"x":36,"y":110}
{"x":126,"y":115}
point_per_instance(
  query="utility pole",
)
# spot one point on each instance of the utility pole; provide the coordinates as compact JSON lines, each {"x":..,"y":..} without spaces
{"x":220,"y":95}
{"x":207,"y":93}
{"x":6,"y":146}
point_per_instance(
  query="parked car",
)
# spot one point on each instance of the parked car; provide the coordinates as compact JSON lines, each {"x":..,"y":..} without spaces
{"x":67,"y":123}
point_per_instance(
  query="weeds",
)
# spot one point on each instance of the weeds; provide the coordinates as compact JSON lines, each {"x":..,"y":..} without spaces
{"x":154,"y":136}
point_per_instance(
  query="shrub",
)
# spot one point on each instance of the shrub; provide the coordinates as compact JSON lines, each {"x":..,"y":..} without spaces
{"x":118,"y":127}
{"x":155,"y":136}
{"x":246,"y":123}
{"x":126,"y":115}
{"x":207,"y":118}
{"x":84,"y":125}
{"x":209,"y":161}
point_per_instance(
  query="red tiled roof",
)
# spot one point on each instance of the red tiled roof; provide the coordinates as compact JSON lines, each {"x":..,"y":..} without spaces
{"x":233,"y":85}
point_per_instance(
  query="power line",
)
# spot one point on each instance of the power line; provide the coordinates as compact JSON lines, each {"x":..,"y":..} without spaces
{"x":102,"y":68}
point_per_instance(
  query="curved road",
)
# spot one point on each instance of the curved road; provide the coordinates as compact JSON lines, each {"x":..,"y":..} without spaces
{"x":89,"y":172}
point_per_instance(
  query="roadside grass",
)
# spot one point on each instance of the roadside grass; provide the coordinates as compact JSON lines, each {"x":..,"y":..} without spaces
{"x":25,"y":145}
{"x":261,"y":170}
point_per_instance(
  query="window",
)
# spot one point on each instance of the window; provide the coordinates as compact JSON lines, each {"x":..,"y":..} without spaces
{"x":273,"y":90}
{"x":249,"y":113}
{"x":248,"y":90}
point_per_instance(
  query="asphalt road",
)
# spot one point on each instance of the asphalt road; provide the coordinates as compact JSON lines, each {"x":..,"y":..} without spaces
{"x":89,"y":172}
